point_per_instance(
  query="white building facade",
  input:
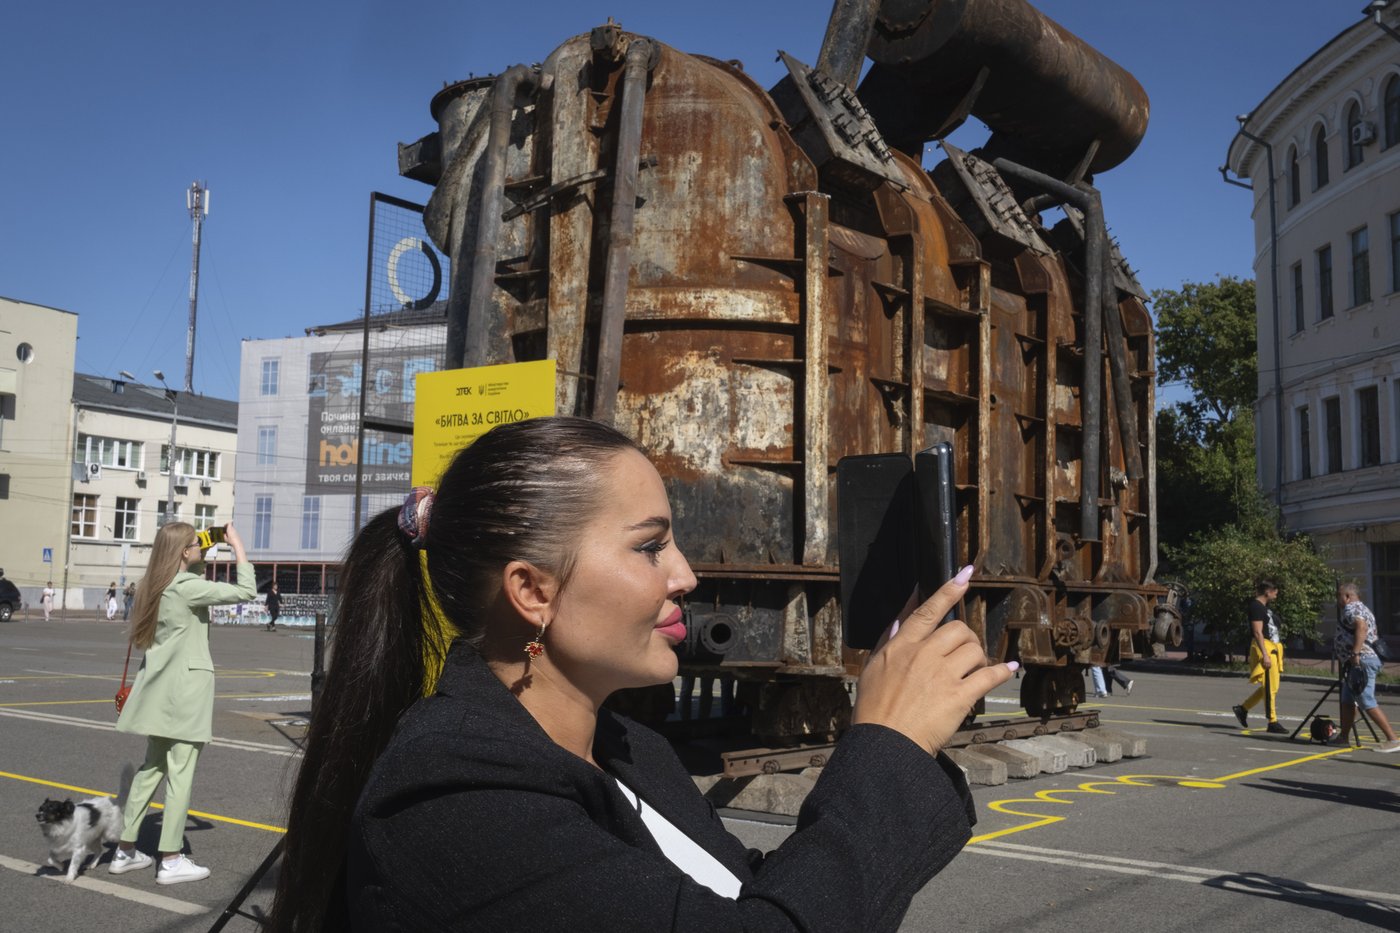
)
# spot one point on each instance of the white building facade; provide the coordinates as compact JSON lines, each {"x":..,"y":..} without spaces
{"x":298,"y":434}
{"x":121,"y":476}
{"x":1329,"y":345}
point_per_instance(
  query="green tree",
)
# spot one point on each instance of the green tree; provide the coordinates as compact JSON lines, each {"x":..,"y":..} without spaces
{"x":1205,"y":444}
{"x":1206,"y":339}
{"x":1222,"y":566}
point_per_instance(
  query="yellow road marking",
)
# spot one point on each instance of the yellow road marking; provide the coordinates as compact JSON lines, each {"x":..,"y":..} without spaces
{"x":102,"y":793}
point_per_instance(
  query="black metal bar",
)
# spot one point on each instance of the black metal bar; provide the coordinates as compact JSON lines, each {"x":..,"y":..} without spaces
{"x":374,"y":197}
{"x":847,"y":35}
{"x":232,"y":909}
{"x":1118,"y":370}
{"x":621,"y":218}
{"x":318,"y":656}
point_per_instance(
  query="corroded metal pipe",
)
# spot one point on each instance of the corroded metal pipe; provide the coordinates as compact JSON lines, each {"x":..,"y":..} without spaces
{"x":467,"y":321}
{"x":618,"y":262}
{"x":1086,"y":198}
{"x":1046,"y":94}
{"x":1118,"y":369}
{"x":847,"y":35}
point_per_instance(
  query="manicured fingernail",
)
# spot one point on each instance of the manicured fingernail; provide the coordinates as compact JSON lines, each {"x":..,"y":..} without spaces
{"x":894,"y":628}
{"x":964,"y":575}
{"x":1013,"y":666}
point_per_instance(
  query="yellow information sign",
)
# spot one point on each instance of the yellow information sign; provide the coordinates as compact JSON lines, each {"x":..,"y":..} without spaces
{"x":456,"y":406}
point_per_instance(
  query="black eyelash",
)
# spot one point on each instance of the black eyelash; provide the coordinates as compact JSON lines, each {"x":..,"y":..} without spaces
{"x":653,"y":549}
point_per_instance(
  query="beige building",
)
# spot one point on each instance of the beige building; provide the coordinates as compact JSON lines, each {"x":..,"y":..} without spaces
{"x":121,"y":475}
{"x":36,"y":381}
{"x":1329,"y":346}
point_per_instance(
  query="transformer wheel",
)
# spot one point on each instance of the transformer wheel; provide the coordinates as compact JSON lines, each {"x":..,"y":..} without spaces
{"x":1051,"y":691}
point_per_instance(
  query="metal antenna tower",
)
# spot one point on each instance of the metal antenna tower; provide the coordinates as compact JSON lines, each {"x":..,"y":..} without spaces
{"x":197,"y":200}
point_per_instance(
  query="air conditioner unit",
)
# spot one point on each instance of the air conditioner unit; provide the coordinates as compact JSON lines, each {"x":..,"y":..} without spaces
{"x":181,"y":479}
{"x":94,"y":470}
{"x":204,"y":485}
{"x":1363,"y":134}
{"x":140,"y":476}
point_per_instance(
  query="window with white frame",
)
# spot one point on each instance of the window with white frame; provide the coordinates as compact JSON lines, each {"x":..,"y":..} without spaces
{"x":268,"y":383}
{"x":1300,"y":322}
{"x":1395,"y":252}
{"x":84,"y":523}
{"x":1368,"y":426}
{"x":160,"y":512}
{"x":1332,"y":412}
{"x":310,"y":523}
{"x":109,"y":451}
{"x":200,"y":464}
{"x":124,"y":526}
{"x":203,"y":517}
{"x":1360,"y":267}
{"x":1304,"y":444}
{"x":1355,"y":153}
{"x":267,"y":445}
{"x":262,"y":521}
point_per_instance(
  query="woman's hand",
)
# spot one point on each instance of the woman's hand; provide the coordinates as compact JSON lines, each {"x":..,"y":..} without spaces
{"x":232,"y":539}
{"x":925,"y":677}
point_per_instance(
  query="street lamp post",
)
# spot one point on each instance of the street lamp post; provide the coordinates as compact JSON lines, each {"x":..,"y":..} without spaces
{"x":174,"y":398}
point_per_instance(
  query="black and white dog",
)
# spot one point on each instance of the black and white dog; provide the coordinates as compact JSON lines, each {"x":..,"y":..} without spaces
{"x":77,"y":831}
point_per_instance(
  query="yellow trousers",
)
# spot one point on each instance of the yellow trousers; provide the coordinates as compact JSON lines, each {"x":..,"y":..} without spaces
{"x":175,"y":762}
{"x":1267,"y":679}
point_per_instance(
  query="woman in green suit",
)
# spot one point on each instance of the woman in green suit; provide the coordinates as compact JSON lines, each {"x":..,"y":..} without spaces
{"x":172,"y":700}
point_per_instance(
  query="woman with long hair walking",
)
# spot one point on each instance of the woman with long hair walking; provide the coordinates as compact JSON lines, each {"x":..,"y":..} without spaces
{"x":172,"y":700}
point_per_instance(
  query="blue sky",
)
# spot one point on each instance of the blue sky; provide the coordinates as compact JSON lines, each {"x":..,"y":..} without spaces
{"x":291,"y":113}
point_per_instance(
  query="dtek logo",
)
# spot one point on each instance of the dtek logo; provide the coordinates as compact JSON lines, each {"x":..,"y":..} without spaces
{"x":404,"y":246}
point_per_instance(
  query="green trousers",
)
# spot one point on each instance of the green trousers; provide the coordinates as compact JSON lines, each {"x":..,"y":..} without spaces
{"x":175,"y":762}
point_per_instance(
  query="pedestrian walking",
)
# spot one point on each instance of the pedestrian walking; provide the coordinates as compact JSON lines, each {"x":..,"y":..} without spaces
{"x":172,"y":699}
{"x":109,"y":601}
{"x":46,"y":599}
{"x":1355,"y":648}
{"x":274,"y":606}
{"x":128,"y":596}
{"x":1265,"y":657}
{"x":461,"y":773}
{"x":1105,"y":677}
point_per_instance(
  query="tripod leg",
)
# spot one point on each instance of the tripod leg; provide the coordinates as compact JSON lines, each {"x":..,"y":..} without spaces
{"x":1316,"y":706}
{"x":243,"y":892}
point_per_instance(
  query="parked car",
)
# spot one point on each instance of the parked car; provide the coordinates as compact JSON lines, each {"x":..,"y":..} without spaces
{"x":9,"y":599}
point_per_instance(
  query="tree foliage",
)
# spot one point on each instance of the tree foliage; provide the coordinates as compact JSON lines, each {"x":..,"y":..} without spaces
{"x":1203,"y":485}
{"x":1206,"y":339}
{"x":1221,"y":567}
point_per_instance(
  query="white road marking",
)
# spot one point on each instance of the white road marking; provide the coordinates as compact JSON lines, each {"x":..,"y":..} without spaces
{"x":57,"y":719}
{"x":1227,"y":879}
{"x":184,"y":908}
{"x":297,"y":697}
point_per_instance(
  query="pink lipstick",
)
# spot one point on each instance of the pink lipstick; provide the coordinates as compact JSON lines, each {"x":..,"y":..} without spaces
{"x":674,"y":626}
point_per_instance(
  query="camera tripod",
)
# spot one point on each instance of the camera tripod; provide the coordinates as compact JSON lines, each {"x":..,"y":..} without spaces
{"x":1355,"y":732}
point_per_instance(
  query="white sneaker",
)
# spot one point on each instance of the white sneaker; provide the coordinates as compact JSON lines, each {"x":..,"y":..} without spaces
{"x":123,"y":863}
{"x":174,"y":871}
{"x":1386,"y":748}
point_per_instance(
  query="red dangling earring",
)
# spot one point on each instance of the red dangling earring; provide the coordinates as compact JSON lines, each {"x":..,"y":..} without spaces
{"x":535,"y":647}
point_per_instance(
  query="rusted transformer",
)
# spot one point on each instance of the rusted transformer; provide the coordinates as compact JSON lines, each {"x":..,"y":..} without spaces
{"x":755,"y":284}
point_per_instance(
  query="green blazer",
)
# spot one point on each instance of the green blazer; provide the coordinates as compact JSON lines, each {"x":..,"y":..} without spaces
{"x":173,"y":695}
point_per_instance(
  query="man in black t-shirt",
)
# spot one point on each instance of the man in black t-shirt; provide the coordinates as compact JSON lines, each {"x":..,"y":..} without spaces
{"x":1265,"y":656}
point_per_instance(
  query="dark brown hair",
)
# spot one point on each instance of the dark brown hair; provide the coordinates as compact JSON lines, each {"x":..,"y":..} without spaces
{"x":521,"y":492}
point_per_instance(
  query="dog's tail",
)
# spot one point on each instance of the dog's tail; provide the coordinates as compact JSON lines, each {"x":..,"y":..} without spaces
{"x":124,"y":784}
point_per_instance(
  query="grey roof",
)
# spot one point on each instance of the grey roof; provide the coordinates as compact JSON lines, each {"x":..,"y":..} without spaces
{"x":132,"y":398}
{"x":434,"y":314}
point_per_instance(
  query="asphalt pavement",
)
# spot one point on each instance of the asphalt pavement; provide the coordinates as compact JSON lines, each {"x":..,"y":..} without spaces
{"x":1217,"y":828}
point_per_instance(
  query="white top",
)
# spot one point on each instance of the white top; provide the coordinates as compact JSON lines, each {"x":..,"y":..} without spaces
{"x":683,"y":851}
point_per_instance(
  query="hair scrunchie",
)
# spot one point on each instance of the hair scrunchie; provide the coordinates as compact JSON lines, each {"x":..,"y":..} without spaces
{"x":413,"y":517}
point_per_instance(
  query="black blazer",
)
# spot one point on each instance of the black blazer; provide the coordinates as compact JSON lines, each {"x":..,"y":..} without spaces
{"x":474,"y":819}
